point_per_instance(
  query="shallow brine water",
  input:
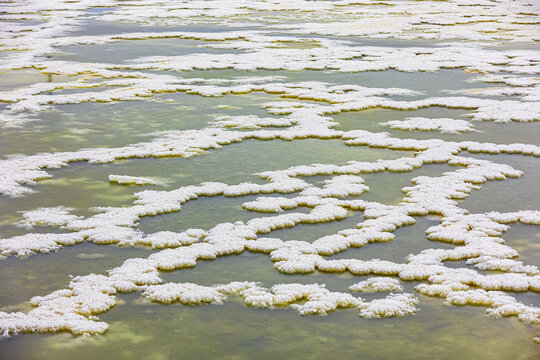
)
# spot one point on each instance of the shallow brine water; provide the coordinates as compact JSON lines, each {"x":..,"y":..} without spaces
{"x":254,"y":179}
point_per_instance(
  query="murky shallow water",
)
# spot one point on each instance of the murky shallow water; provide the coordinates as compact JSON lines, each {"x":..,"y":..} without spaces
{"x":139,"y":328}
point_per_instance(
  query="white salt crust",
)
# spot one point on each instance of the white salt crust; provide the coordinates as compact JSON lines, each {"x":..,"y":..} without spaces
{"x":477,"y":237}
{"x":307,"y":122}
{"x":131,"y":82}
{"x":377,"y":284}
{"x":72,"y":309}
{"x":480,"y":20}
{"x":130,"y":180}
{"x":318,"y":300}
{"x":443,"y":125}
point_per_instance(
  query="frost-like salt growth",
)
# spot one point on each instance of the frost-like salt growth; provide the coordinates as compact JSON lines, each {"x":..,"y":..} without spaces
{"x":56,"y":216}
{"x":318,"y":300}
{"x":65,"y":310}
{"x":169,"y":239}
{"x":185,"y":293}
{"x":443,"y":125}
{"x":270,"y":204}
{"x":508,"y":21}
{"x":114,"y":225}
{"x":130,"y":180}
{"x":251,"y":122}
{"x":72,"y":309}
{"x":338,"y":187}
{"x":392,"y":305}
{"x":259,"y":51}
{"x":377,"y":284}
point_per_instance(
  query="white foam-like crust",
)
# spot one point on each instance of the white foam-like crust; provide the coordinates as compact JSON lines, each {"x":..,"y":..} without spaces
{"x":114,"y":225}
{"x":169,"y":239}
{"x":123,"y":85}
{"x":477,"y":237}
{"x":65,"y":310}
{"x":130,"y":180}
{"x":301,"y":120}
{"x":338,"y":56}
{"x":443,"y":125}
{"x":317,"y":299}
{"x":310,"y":122}
{"x":54,"y":216}
{"x":226,"y":107}
{"x":71,"y":309}
{"x":391,"y":306}
{"x":377,"y":284}
{"x":185,"y":293}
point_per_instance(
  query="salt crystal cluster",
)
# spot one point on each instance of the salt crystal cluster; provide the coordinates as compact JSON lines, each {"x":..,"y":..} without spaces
{"x":377,"y":284}
{"x":127,"y":180}
{"x":443,"y":125}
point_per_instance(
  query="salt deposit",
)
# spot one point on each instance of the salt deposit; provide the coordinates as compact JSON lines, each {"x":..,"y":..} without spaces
{"x":134,"y":180}
{"x":480,"y":40}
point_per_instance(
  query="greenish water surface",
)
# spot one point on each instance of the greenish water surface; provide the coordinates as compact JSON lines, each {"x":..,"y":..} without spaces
{"x":144,"y":330}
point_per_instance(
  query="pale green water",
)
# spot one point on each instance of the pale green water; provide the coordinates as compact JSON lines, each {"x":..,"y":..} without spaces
{"x":233,"y":331}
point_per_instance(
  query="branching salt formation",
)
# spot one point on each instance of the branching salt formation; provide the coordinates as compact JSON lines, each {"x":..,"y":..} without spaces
{"x":318,"y":300}
{"x":285,"y":38}
{"x":307,"y":122}
{"x":475,"y":235}
{"x":428,"y":195}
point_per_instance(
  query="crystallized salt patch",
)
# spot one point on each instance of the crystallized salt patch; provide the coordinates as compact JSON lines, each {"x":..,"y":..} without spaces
{"x":443,"y":125}
{"x":377,"y":284}
{"x":130,"y":180}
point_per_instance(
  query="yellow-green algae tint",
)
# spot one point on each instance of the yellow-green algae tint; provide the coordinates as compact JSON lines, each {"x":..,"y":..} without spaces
{"x":145,"y":330}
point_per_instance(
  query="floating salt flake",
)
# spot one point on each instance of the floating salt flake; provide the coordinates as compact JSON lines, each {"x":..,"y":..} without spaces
{"x":169,"y":239}
{"x":443,"y":125}
{"x":130,"y":180}
{"x":186,"y":293}
{"x":391,"y":306}
{"x":377,"y":284}
{"x":55,"y":216}
{"x":227,"y":107}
